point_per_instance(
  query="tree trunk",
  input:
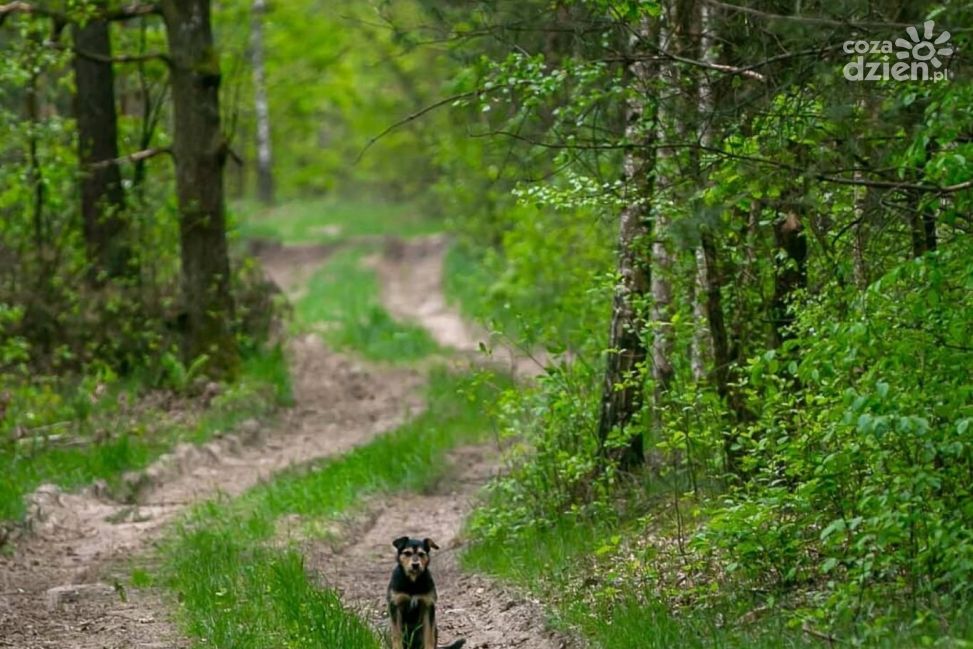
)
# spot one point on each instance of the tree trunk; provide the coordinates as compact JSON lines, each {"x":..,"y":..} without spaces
{"x":622,"y":397}
{"x":660,"y":313}
{"x":200,"y":152}
{"x":922,"y":225}
{"x":791,"y":273}
{"x":701,"y":352}
{"x":709,"y":293}
{"x":102,"y":196}
{"x":265,"y":176}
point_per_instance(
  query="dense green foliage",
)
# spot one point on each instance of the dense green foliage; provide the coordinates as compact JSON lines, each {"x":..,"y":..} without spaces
{"x":824,"y":477}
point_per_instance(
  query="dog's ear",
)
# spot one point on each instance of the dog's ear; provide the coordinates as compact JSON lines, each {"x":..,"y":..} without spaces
{"x":400,"y":542}
{"x":429,"y":543}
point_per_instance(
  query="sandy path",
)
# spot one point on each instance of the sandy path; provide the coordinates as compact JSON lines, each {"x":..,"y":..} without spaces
{"x":411,"y":273}
{"x":57,"y":589}
{"x":470,"y":606}
{"x":63,"y":587}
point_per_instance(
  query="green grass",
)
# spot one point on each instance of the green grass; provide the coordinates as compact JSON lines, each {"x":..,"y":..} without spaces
{"x":108,"y":444}
{"x":342,"y":299}
{"x":238,"y":587}
{"x":240,"y":596}
{"x":327,"y":220}
{"x":556,"y":560}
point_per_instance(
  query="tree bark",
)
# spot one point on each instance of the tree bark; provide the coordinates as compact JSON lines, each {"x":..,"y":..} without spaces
{"x":702,"y":343}
{"x":701,"y":352}
{"x":790,"y":275}
{"x":622,"y":392}
{"x":709,"y":291}
{"x":660,"y":314}
{"x":105,"y":227}
{"x":265,"y":174}
{"x":200,"y":152}
{"x":922,"y":225}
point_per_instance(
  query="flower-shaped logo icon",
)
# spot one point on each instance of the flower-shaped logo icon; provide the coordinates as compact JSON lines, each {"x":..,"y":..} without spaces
{"x":925,"y":48}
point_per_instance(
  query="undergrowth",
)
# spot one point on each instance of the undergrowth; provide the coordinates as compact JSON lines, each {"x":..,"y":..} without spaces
{"x":592,"y":581}
{"x":240,"y":587}
{"x":845,"y":520}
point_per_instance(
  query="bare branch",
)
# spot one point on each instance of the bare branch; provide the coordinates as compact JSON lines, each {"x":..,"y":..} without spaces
{"x":818,"y":20}
{"x":234,"y":156}
{"x":815,"y":51}
{"x":747,"y":72}
{"x":822,"y":177}
{"x":958,"y":187}
{"x":134,"y":10}
{"x":122,"y":58}
{"x":416,"y":115}
{"x":26,"y":8}
{"x":132,"y":157}
{"x":810,"y":20}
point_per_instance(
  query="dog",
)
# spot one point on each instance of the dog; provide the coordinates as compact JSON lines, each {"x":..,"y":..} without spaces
{"x":412,"y":597}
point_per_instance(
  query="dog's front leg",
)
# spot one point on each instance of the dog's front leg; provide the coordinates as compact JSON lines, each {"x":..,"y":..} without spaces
{"x":395,"y":618}
{"x":429,"y":627}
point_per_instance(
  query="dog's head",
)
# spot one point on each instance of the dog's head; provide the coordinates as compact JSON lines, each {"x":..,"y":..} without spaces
{"x":413,"y":554}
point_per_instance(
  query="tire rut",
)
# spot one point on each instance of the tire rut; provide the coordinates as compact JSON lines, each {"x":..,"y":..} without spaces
{"x":470,"y":606}
{"x":63,"y":585}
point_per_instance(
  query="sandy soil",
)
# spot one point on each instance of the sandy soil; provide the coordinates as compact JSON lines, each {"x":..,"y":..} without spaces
{"x":63,"y":585}
{"x":470,"y":606}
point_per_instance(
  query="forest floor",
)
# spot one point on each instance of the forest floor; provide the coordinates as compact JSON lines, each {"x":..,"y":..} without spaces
{"x":68,"y":583}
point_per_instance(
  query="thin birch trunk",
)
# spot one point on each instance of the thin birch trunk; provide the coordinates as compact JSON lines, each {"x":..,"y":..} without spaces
{"x":622,"y":393}
{"x":660,"y":313}
{"x":265,"y":174}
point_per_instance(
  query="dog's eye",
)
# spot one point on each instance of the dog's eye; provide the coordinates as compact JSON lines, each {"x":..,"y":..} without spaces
{"x":408,"y":553}
{"x":422,"y":554}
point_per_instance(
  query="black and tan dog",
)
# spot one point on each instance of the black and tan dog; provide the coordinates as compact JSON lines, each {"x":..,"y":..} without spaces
{"x":412,"y":597}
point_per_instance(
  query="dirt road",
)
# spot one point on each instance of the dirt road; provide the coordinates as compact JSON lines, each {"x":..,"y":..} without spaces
{"x":64,"y":586}
{"x":470,"y":606}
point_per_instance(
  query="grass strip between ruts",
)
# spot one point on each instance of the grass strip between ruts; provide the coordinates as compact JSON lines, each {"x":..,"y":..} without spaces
{"x":238,"y":589}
